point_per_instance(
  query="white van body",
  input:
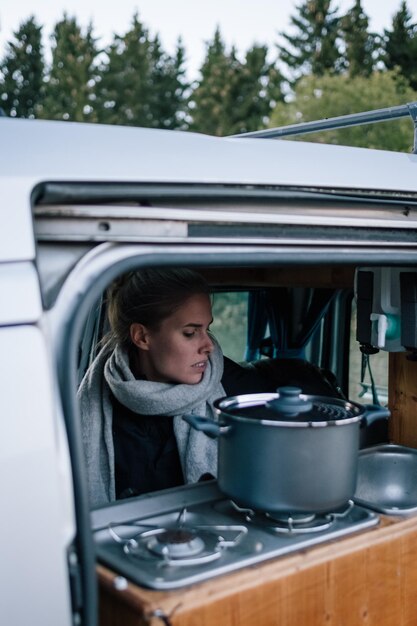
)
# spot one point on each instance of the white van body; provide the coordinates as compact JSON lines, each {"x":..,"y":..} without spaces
{"x":38,"y":520}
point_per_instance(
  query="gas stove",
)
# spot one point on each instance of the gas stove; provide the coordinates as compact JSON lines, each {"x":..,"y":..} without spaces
{"x":182,"y":536}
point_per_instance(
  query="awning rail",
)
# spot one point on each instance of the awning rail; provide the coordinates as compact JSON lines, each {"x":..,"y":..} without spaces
{"x":342,"y":121}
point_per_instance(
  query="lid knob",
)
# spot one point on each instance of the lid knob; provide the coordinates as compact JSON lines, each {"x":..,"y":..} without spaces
{"x":289,"y":402}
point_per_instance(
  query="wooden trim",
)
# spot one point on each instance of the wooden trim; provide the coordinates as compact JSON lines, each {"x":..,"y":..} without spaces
{"x":338,"y":277}
{"x":402,"y":393}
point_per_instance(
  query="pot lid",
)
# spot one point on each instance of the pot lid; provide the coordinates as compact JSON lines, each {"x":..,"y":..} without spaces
{"x":289,"y":402}
{"x":291,"y":406}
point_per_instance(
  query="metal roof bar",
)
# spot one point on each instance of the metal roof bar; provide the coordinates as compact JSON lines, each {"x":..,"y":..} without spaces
{"x":342,"y":121}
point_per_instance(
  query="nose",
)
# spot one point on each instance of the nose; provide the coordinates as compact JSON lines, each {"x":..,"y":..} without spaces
{"x":207,"y":344}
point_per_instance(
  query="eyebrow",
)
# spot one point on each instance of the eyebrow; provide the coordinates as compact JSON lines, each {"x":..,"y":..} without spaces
{"x":197,"y":325}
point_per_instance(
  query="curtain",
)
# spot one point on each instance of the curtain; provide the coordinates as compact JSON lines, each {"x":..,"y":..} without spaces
{"x":292,"y":315}
{"x":257,"y":324}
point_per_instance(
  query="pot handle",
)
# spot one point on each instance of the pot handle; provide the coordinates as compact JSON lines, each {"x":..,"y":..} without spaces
{"x":204,"y":424}
{"x":374,"y":412}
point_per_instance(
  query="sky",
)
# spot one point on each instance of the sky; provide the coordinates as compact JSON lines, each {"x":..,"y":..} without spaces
{"x":242,"y":22}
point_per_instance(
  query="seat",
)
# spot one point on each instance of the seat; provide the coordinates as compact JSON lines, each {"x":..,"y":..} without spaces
{"x":311,"y":379}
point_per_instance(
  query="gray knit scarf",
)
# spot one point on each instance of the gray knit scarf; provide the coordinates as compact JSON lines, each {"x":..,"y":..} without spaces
{"x":110,"y":374}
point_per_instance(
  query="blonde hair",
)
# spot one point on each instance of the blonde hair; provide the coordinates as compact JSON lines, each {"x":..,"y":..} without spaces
{"x":148,"y":296}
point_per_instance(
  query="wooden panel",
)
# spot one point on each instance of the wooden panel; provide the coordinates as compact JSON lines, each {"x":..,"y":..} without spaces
{"x":403,"y":399}
{"x":369,"y":578}
{"x":326,"y":276}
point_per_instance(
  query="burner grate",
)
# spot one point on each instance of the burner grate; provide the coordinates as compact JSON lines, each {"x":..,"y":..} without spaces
{"x":287,"y":523}
{"x":179,"y":545}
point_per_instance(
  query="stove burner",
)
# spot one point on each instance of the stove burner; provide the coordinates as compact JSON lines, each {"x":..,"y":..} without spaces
{"x":292,"y":524}
{"x":177,"y":543}
{"x":297,"y":518}
{"x":286,"y":523}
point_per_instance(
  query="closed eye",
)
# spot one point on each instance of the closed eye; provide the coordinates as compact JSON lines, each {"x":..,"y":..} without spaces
{"x":189,"y":333}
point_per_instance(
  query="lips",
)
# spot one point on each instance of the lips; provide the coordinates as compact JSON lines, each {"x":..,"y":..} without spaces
{"x":201,"y":365}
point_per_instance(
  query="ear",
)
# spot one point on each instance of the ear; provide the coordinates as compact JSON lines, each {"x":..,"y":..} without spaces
{"x":139,"y":336}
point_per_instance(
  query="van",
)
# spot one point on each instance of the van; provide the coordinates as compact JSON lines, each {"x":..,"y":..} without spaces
{"x":311,"y":253}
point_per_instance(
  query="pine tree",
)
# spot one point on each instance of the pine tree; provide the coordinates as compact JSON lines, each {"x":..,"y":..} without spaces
{"x":210,"y":100}
{"x":233,"y":96}
{"x":167,"y":102}
{"x":140,"y":84}
{"x":360,"y":44}
{"x":400,"y":45}
{"x":22,"y":72}
{"x":314,"y":47}
{"x":69,"y":91}
{"x":123,"y":90}
{"x":255,"y":91}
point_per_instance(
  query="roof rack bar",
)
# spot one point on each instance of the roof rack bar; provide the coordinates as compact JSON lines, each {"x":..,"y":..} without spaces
{"x":342,"y":121}
{"x":412,"y":107}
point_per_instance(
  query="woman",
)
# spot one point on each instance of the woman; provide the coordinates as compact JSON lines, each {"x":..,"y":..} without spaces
{"x":159,"y":362}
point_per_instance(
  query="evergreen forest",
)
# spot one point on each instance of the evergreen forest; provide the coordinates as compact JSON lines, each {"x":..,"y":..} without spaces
{"x":327,"y":64}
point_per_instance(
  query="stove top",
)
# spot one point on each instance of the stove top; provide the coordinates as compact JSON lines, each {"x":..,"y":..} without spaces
{"x":182,"y":536}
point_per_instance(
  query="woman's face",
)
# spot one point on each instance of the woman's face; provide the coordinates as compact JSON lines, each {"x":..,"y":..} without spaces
{"x":178,"y":351}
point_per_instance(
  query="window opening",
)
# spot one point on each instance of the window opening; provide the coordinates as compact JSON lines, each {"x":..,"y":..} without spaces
{"x":360,"y":390}
{"x":230,"y":322}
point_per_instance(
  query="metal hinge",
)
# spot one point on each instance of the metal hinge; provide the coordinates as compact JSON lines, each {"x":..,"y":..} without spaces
{"x":74,"y":568}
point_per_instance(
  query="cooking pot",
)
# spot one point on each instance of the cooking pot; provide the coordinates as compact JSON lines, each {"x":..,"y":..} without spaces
{"x":287,"y":452}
